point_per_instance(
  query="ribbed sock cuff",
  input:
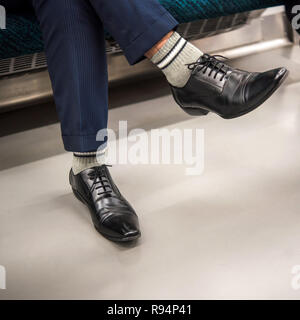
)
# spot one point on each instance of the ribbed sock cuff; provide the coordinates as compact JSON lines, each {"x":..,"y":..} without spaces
{"x":86,"y":160}
{"x":167,"y":48}
{"x":173,"y":58}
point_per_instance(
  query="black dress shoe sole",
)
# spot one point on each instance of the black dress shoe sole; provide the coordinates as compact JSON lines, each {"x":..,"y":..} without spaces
{"x":204,"y":112}
{"x":114,"y":239}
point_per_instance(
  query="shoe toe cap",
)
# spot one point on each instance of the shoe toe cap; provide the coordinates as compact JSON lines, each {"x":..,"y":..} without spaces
{"x":122,"y":227}
{"x":263,"y":84}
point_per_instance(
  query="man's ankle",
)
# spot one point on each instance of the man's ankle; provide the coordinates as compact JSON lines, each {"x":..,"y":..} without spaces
{"x":149,"y":54}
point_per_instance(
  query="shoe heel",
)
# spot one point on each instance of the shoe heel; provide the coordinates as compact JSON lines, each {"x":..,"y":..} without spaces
{"x":190,"y":111}
{"x":195,"y":111}
{"x":78,"y":196}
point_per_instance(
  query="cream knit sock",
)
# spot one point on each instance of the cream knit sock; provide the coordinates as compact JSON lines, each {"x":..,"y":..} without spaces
{"x":86,"y":160}
{"x":173,"y":58}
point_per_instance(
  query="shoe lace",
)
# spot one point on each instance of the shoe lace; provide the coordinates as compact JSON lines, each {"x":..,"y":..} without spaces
{"x":100,"y":180}
{"x":207,"y":61}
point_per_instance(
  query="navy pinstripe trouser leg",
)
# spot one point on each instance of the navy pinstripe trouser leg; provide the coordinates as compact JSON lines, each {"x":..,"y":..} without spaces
{"x":75,"y":47}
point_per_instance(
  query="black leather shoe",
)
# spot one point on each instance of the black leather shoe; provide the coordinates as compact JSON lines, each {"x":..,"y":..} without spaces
{"x":111,"y":213}
{"x":230,"y":93}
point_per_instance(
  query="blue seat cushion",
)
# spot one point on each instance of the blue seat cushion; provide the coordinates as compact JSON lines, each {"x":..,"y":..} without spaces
{"x":23,"y":36}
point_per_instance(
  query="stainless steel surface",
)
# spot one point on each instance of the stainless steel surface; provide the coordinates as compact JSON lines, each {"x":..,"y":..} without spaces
{"x":254,"y":48}
{"x":260,"y":34}
{"x":23,"y":63}
{"x":210,"y":27}
{"x":24,"y":89}
{"x":257,"y":35}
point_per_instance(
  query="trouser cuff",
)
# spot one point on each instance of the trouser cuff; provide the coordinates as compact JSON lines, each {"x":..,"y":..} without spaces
{"x":144,"y":42}
{"x":77,"y":144}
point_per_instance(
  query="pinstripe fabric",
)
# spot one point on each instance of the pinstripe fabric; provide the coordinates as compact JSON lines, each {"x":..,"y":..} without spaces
{"x":75,"y":50}
{"x":136,"y":25}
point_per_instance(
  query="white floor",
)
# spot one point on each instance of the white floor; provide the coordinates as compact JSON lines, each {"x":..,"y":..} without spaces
{"x":233,"y":232}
